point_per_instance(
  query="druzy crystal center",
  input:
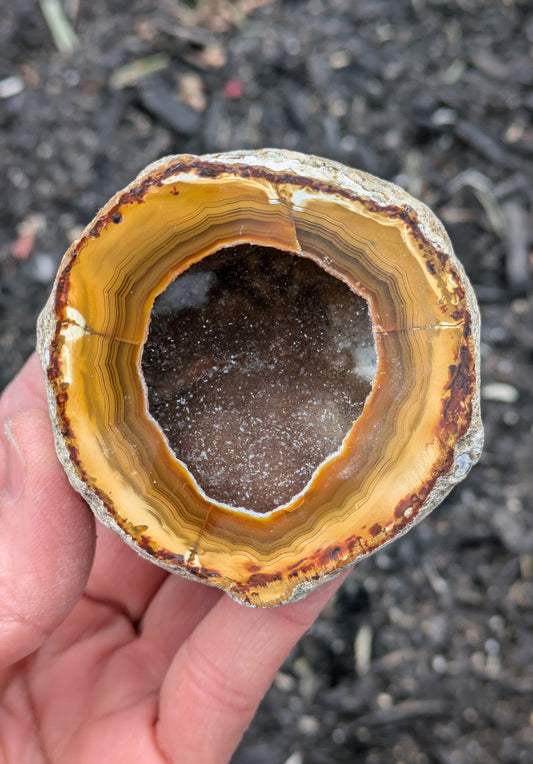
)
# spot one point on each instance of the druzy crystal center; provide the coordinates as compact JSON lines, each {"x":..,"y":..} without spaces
{"x":257,"y":363}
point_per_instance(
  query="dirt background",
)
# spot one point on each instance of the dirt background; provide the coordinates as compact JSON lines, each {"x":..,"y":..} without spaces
{"x":426,"y":655}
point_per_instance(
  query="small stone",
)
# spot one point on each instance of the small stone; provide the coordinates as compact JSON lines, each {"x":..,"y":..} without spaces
{"x":284,"y":682}
{"x":44,"y":268}
{"x":340,"y":59}
{"x":439,"y":664}
{"x":294,"y":758}
{"x":309,"y":725}
{"x":501,"y":392}
{"x":11,"y":86}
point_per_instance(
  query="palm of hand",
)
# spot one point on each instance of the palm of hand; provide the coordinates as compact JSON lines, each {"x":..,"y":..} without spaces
{"x":103,"y":656}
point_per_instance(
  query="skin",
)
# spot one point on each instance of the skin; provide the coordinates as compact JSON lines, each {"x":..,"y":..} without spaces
{"x":103,"y":656}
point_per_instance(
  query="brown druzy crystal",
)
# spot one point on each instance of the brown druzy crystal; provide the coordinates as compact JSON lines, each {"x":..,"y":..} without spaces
{"x":257,"y":364}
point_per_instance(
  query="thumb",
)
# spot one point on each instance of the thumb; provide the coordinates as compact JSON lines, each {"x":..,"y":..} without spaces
{"x":47,"y":538}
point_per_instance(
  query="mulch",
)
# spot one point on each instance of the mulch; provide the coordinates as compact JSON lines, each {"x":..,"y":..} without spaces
{"x":426,"y":654}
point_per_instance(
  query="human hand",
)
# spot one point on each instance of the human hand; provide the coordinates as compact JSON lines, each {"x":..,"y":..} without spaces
{"x":103,"y":656}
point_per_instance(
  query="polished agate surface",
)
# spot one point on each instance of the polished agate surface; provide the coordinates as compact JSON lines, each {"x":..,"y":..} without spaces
{"x":396,"y":371}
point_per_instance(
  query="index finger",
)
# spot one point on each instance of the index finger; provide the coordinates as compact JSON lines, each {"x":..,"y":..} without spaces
{"x":222,"y":671}
{"x":26,"y":390}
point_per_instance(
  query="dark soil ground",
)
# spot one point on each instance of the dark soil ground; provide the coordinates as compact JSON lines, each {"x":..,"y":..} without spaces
{"x":426,"y":655}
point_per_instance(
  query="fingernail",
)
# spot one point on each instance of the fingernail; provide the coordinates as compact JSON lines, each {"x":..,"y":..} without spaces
{"x":15,"y":473}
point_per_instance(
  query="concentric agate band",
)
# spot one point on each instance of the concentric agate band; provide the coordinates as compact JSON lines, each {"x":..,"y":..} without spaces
{"x":420,"y":430}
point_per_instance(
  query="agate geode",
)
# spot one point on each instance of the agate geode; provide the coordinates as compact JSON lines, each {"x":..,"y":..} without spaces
{"x":262,"y":366}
